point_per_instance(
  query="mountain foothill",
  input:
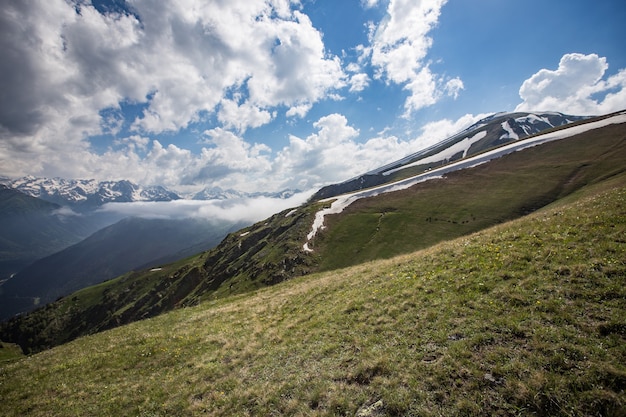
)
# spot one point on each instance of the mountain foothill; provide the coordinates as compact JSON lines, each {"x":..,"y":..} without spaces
{"x":56,"y":241}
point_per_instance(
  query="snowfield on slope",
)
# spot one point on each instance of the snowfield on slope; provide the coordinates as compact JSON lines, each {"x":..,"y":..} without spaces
{"x":445,"y":155}
{"x":343,"y":201}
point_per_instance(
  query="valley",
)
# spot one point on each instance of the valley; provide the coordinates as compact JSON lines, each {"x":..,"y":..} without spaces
{"x":503,"y":273}
{"x":522,"y":318}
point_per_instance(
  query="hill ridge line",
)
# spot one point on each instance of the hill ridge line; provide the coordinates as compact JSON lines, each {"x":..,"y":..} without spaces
{"x":339,"y":203}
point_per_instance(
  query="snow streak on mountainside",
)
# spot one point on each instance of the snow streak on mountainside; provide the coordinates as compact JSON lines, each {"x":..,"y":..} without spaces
{"x":343,"y":201}
{"x":492,"y":131}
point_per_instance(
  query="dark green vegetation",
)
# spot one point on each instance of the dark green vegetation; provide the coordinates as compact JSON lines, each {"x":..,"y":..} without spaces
{"x":271,"y":251}
{"x":525,"y":318}
{"x":10,"y":352}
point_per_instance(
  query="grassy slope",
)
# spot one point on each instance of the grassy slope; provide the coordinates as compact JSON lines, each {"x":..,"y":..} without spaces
{"x":391,"y":224}
{"x":265,"y":253}
{"x":525,"y":318}
{"x":469,"y":200}
{"x":9,"y":352}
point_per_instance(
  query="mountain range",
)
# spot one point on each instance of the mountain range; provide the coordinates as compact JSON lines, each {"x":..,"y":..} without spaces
{"x":88,"y":193}
{"x":130,"y":244}
{"x":31,"y":228}
{"x":489,"y":132}
{"x":85,"y":195}
{"x":413,"y":211}
{"x":41,"y":218}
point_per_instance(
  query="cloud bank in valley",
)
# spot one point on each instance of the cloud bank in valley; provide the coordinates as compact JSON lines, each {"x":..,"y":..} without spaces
{"x":232,"y":210}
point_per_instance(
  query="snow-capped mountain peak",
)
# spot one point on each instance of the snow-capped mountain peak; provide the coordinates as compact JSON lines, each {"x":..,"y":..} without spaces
{"x":88,"y":193}
{"x":492,"y":131}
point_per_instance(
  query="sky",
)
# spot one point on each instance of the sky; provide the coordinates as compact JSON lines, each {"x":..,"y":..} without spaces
{"x":267,"y":95}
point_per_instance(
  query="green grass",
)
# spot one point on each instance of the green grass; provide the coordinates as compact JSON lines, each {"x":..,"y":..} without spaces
{"x":469,"y":200}
{"x":270,"y":251}
{"x":525,"y":318}
{"x":9,"y":352}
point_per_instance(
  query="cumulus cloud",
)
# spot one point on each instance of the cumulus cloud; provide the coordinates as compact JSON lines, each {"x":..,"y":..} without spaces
{"x":398,"y":50}
{"x":64,"y":63}
{"x":69,"y":73}
{"x":242,"y":117}
{"x":334,"y":153}
{"x":577,"y":86}
{"x":358,"y":82}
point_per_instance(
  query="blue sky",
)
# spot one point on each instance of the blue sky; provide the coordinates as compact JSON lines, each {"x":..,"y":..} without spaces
{"x":275,"y":94}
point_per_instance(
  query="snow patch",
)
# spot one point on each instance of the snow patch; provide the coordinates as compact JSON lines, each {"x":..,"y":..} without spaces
{"x":343,"y":201}
{"x":510,"y":134}
{"x":461,"y":146}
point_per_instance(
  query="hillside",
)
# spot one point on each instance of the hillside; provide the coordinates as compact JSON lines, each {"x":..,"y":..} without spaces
{"x":525,"y":318}
{"x":31,"y":228}
{"x":130,"y":244}
{"x":488,"y":133}
{"x":468,"y":200}
{"x":271,"y":251}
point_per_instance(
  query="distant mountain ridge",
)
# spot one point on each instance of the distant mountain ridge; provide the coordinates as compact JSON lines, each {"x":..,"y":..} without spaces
{"x":490,"y":132}
{"x":129,"y":244}
{"x":89,"y":194}
{"x":31,"y":228}
{"x":217,"y":193}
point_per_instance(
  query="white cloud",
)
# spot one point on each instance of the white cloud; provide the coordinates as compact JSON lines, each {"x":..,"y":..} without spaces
{"x":453,"y":87}
{"x":399,"y":46}
{"x":241,"y":117}
{"x":368,"y":4}
{"x":67,"y":76}
{"x":299,"y":110}
{"x":358,"y":82}
{"x":232,"y":210}
{"x":61,"y":67}
{"x":321,"y":155}
{"x":577,"y":86}
{"x":333,"y":154}
{"x":133,"y":142}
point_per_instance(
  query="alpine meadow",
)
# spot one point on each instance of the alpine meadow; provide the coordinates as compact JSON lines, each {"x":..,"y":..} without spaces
{"x":355,"y":208}
{"x":495,"y":290}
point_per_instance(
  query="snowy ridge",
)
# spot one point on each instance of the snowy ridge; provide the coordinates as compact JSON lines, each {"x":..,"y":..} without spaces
{"x":88,"y":192}
{"x":487,"y":133}
{"x":343,"y":201}
{"x":91,"y":193}
{"x":217,"y":193}
{"x":445,"y":155}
